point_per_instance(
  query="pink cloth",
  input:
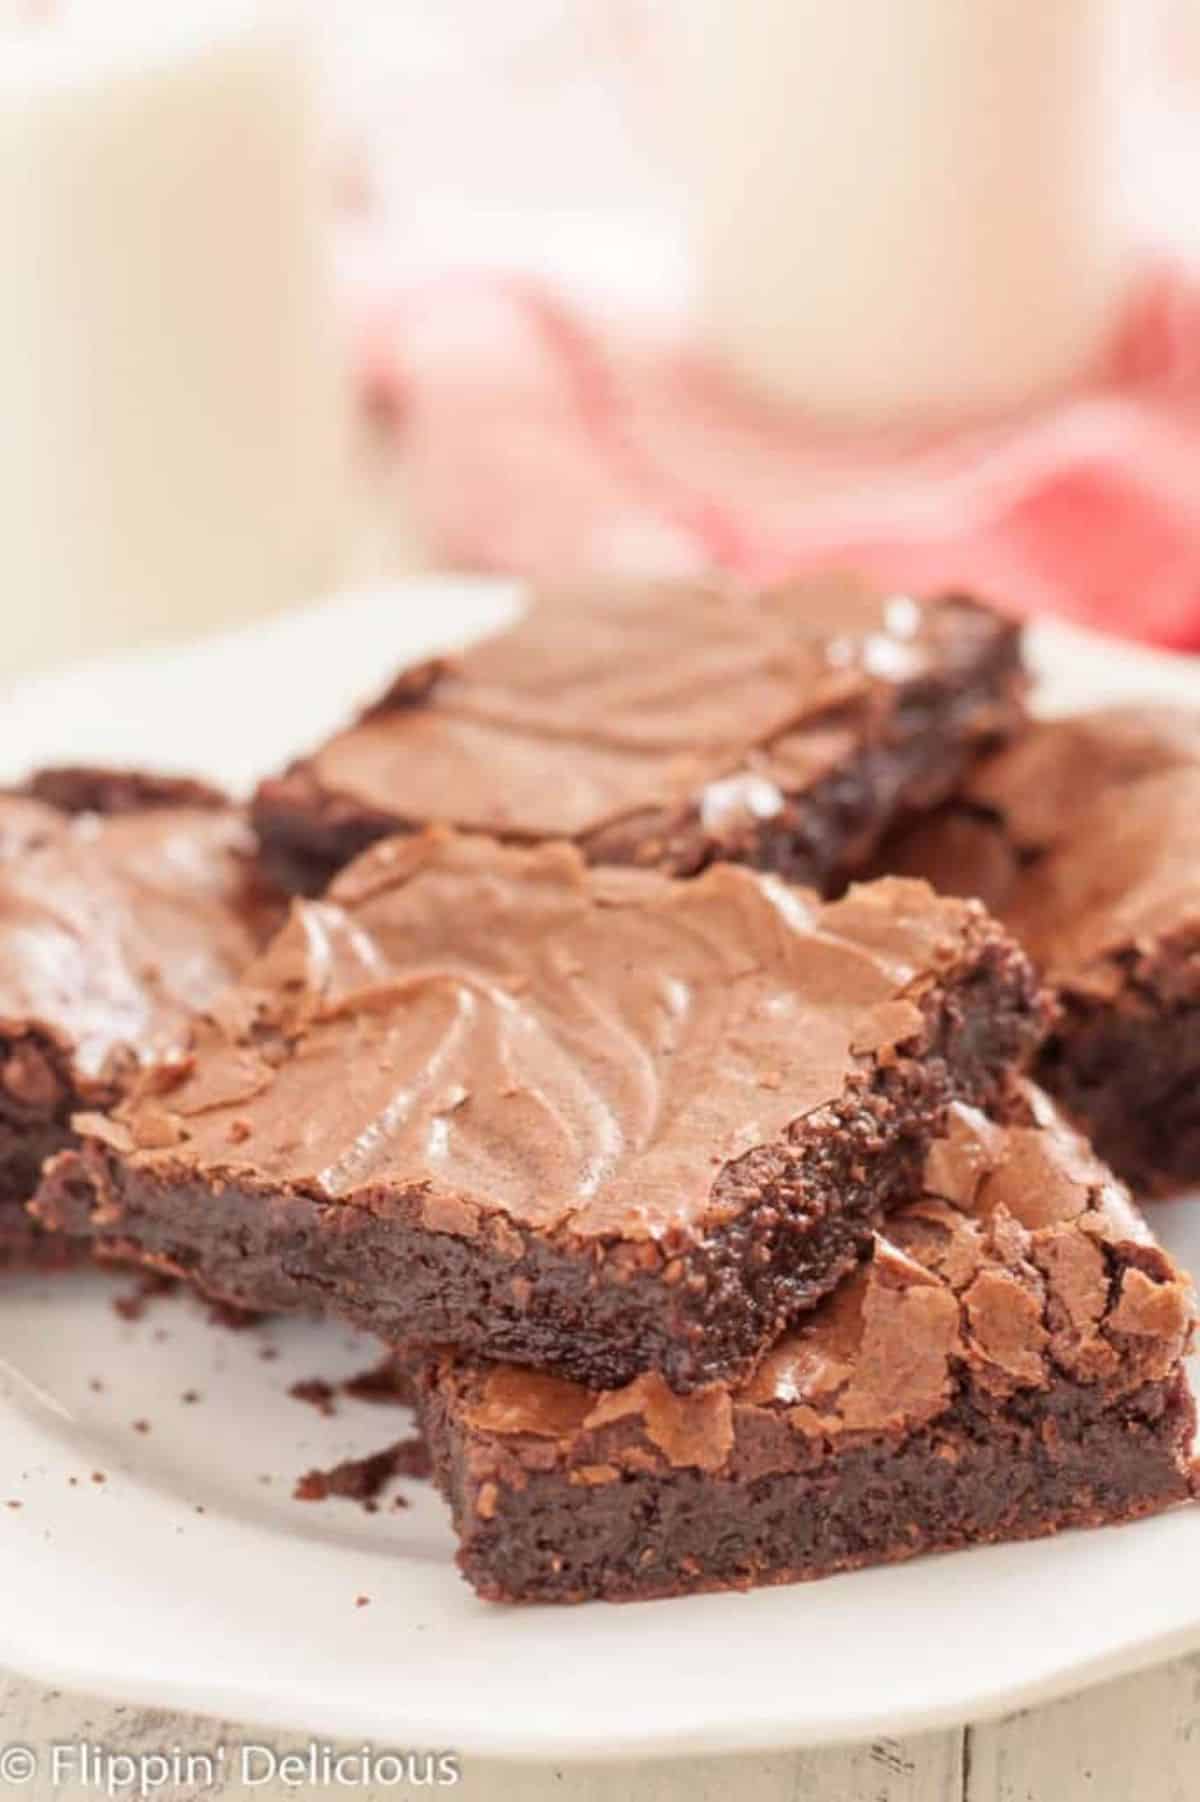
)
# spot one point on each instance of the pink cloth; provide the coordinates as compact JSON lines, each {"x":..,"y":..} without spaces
{"x":540,"y":443}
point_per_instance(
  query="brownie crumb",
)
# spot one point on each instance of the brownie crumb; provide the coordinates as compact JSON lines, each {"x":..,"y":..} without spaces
{"x":229,"y":1315}
{"x":357,"y":1479}
{"x":98,"y":1476}
{"x":412,"y":1458}
{"x":141,"y":1426}
{"x":152,"y":1286}
{"x":362,"y":1601}
{"x":387,"y":1383}
{"x":190,"y":1396}
{"x":13,"y":1505}
{"x":317,"y":1392}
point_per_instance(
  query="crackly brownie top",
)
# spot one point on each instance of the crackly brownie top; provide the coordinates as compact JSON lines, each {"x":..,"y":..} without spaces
{"x":646,"y":696}
{"x":1025,"y":1262}
{"x":113,"y":930}
{"x":472,"y":1027}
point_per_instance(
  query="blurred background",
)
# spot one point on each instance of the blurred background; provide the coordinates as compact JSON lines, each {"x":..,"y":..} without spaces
{"x":294,"y":295}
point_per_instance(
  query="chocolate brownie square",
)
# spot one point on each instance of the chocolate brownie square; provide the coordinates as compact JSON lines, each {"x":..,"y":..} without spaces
{"x":112,"y":930}
{"x":595,"y":1119}
{"x":668,"y":727}
{"x":1007,"y":1363}
{"x":1085,"y":838}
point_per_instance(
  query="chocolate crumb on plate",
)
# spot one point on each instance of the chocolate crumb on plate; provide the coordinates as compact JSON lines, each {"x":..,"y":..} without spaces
{"x":316,"y":1392}
{"x":360,"y":1480}
{"x":149,"y":1287}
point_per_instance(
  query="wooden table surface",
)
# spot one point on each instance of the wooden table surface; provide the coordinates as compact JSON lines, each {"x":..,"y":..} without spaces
{"x":1135,"y":1740}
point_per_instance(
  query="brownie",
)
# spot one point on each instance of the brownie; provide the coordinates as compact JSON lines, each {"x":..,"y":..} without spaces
{"x":668,"y":727}
{"x":1008,"y":1363}
{"x":595,"y":1119}
{"x":89,"y":788}
{"x":112,"y":930}
{"x":1086,"y":839}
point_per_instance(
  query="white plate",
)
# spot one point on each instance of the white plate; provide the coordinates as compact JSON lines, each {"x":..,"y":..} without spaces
{"x":190,"y":1578}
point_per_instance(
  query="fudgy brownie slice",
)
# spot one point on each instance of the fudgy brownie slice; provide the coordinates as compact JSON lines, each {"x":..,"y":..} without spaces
{"x":1085,"y":838}
{"x":598,"y":1120}
{"x":112,"y":930}
{"x":1008,"y":1363}
{"x":668,"y":727}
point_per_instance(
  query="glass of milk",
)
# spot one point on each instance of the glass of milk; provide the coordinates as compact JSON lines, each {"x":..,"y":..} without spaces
{"x":173,"y":431}
{"x":902,"y":210}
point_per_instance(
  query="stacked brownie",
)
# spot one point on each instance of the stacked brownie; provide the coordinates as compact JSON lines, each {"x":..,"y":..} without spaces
{"x":1006,"y":1364}
{"x":1084,"y":836}
{"x":723,"y":1237}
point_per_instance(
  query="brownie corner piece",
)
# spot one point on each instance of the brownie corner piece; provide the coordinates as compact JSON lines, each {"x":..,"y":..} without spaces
{"x":1009,"y":1363}
{"x":125,"y":902}
{"x":668,"y":727}
{"x":597,"y":1119}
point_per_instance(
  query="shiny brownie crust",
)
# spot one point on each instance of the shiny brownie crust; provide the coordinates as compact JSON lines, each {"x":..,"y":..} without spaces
{"x":908,"y":745}
{"x":41,"y":1087}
